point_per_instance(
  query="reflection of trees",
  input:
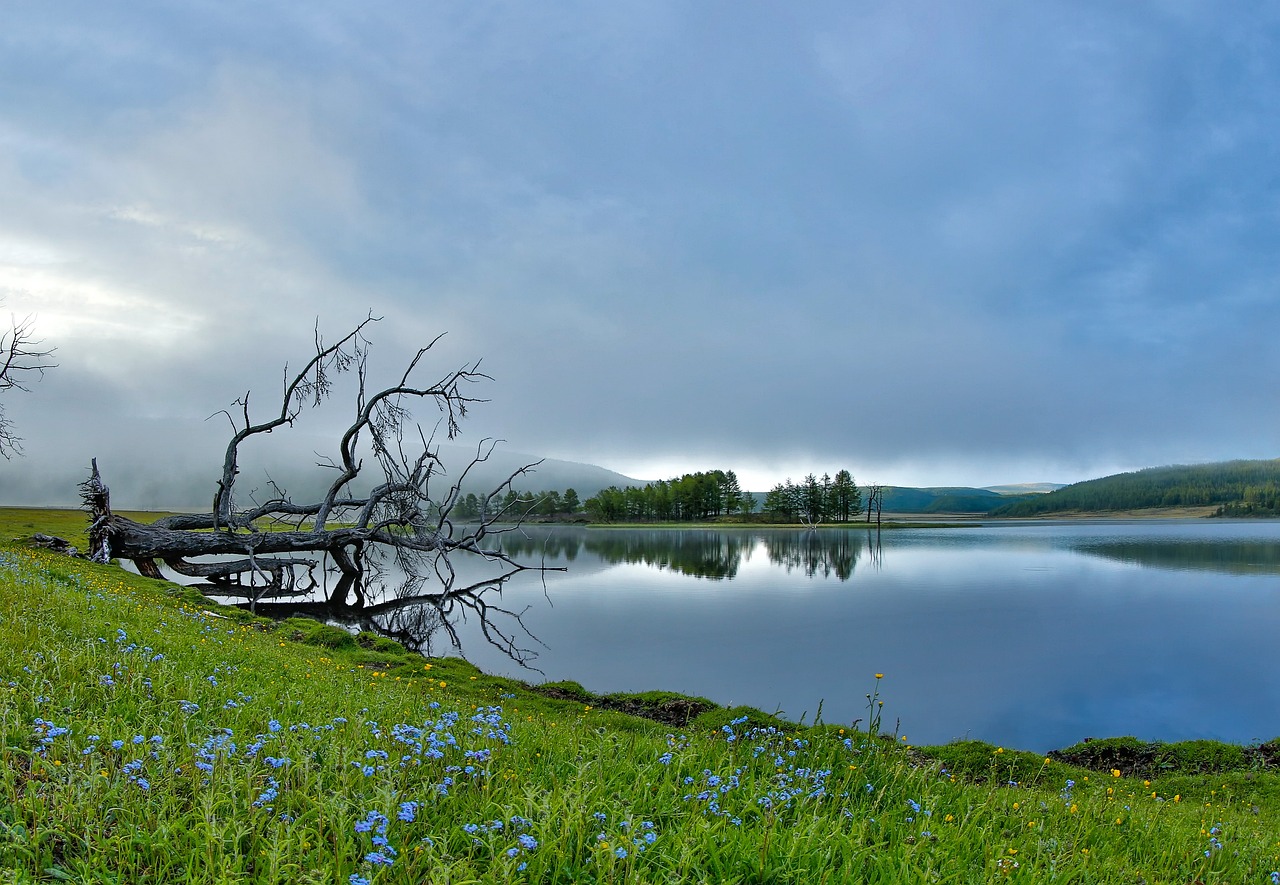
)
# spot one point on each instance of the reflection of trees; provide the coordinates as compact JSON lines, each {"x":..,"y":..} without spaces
{"x":556,"y":543}
{"x":824,"y":554}
{"x":413,"y":626}
{"x":695,"y":552}
{"x":1226,"y":557}
{"x":417,"y":618}
{"x":698,"y":553}
{"x":420,"y":608}
{"x":701,"y":553}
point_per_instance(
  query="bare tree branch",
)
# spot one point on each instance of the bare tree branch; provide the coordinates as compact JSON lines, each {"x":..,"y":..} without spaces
{"x":357,"y":522}
{"x":22,"y":356}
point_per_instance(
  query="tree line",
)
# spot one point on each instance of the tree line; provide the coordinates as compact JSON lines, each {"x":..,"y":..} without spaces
{"x":514,"y":503}
{"x":689,"y":498}
{"x":693,"y":497}
{"x":817,"y":499}
{"x":717,"y":493}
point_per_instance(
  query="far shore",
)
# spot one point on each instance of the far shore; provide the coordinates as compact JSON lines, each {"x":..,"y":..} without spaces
{"x":892,"y":521}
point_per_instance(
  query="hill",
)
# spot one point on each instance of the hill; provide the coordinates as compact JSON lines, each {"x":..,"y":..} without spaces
{"x":1025,"y":488}
{"x":1238,"y":488}
{"x":164,"y":481}
{"x":551,"y":475}
{"x":946,"y":499}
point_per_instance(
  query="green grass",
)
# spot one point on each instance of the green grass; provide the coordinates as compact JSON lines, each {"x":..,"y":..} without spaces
{"x":18,"y":523}
{"x":149,"y":736}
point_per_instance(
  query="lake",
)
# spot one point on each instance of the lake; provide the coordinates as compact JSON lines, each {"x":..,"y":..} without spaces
{"x":1032,"y":636}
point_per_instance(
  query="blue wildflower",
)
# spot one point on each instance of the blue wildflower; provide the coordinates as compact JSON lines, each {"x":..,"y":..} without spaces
{"x":269,"y":794}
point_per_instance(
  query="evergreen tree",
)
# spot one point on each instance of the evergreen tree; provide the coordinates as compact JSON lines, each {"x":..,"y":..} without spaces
{"x":846,"y":499}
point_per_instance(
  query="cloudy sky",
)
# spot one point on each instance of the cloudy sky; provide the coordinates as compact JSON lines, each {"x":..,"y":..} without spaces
{"x":935,"y":243}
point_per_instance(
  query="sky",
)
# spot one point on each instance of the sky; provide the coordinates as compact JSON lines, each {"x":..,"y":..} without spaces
{"x":932,"y":243}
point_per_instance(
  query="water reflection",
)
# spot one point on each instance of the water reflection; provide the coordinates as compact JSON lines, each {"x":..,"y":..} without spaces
{"x":704,"y":553}
{"x":1033,"y":636}
{"x":819,"y":554}
{"x":1228,"y":558}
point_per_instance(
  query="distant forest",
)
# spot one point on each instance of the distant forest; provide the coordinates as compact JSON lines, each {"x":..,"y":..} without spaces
{"x":694,"y":496}
{"x":717,"y":493}
{"x":1239,"y":488}
{"x":1236,"y":488}
{"x":516,"y":503}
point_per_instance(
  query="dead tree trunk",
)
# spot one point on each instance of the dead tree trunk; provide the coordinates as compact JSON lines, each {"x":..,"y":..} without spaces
{"x":272,"y":549}
{"x":875,"y":503}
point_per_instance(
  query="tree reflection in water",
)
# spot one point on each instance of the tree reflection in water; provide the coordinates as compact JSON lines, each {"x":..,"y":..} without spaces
{"x":426,"y":620}
{"x":708,"y":553}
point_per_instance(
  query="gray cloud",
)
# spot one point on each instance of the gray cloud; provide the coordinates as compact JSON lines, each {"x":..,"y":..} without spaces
{"x":934,"y":244}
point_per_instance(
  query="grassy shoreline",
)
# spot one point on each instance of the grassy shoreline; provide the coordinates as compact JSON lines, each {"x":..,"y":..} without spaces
{"x":149,"y":735}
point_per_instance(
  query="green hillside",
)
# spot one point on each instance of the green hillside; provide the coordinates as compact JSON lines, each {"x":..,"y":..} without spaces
{"x":1238,"y":488}
{"x":901,"y":499}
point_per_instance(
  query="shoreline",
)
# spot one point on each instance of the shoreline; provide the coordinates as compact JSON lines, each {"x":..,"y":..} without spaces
{"x":1133,"y":755}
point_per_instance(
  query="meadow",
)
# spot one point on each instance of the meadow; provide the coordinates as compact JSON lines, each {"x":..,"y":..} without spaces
{"x":151,"y":736}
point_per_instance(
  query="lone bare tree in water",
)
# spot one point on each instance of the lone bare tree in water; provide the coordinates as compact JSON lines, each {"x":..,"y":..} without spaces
{"x":402,"y":513}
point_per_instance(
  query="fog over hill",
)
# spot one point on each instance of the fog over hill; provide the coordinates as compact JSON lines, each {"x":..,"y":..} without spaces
{"x":151,"y":477}
{"x":169,"y":480}
{"x":1025,"y":488}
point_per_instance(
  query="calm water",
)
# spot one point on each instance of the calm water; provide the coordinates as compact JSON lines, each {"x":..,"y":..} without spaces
{"x":1031,"y":636}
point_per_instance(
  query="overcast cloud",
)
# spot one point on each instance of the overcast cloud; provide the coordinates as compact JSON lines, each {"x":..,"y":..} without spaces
{"x":935,"y":243}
